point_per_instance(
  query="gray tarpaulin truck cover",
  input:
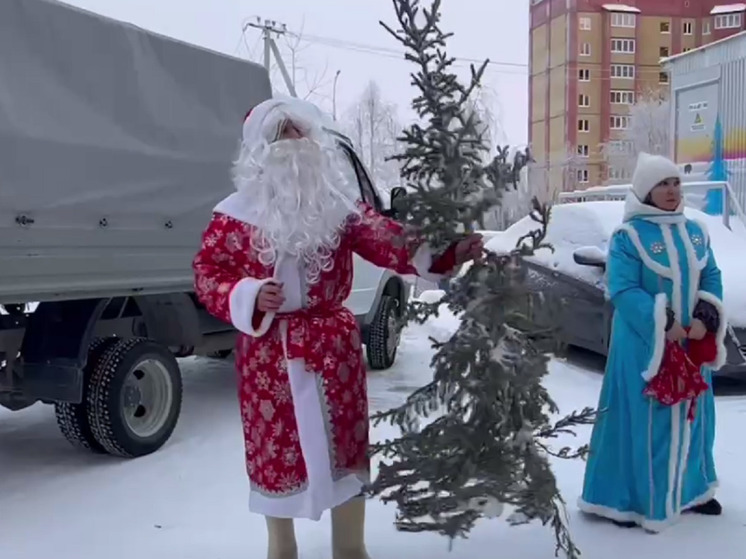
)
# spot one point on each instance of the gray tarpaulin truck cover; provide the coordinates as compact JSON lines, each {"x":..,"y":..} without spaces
{"x":115,"y":144}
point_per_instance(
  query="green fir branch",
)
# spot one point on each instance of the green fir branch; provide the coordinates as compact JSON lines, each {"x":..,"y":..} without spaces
{"x":480,"y":432}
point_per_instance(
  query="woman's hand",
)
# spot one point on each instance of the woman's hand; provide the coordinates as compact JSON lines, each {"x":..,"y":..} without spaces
{"x":676,"y":333}
{"x":470,"y":248}
{"x":270,"y":298}
{"x":697,"y":330}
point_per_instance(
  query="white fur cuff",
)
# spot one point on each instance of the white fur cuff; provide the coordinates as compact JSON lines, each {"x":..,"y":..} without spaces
{"x":423,"y":261}
{"x":722,"y":355}
{"x":659,"y":336}
{"x":242,"y":304}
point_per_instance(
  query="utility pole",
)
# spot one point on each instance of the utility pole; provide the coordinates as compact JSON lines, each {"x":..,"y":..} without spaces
{"x":270,"y":29}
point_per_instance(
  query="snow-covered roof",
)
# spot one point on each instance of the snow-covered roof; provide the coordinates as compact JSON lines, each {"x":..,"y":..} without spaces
{"x":728,"y":9}
{"x":621,"y":8}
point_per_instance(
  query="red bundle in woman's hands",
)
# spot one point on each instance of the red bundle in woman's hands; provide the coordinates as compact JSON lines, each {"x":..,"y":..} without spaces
{"x":679,"y":377}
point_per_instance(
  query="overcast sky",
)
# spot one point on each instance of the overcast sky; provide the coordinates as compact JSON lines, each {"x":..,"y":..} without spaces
{"x":353,"y":42}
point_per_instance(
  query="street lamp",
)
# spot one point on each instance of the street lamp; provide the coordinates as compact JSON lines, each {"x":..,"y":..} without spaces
{"x":334,"y":95}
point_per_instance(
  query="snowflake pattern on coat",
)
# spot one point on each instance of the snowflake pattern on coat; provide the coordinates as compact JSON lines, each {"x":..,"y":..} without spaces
{"x":324,"y":333}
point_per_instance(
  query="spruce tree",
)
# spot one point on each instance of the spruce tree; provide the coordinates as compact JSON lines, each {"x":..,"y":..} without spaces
{"x":476,"y":438}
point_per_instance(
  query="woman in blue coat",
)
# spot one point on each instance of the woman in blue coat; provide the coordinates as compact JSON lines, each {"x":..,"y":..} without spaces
{"x":650,"y":462}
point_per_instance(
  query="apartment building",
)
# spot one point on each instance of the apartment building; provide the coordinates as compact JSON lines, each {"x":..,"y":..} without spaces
{"x":590,"y":60}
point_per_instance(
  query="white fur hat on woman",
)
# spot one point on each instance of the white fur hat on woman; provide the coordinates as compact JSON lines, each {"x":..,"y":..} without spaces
{"x":650,"y":170}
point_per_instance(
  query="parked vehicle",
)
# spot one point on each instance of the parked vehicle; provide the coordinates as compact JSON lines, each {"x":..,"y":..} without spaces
{"x":113,"y":152}
{"x":571,"y":279}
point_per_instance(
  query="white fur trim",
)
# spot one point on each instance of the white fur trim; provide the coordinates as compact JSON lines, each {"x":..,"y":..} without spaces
{"x":654,"y":526}
{"x":239,"y":206}
{"x":659,"y":336}
{"x":634,"y":237}
{"x":242,"y":302}
{"x":673,"y":263}
{"x":422,"y":261}
{"x":722,"y":354}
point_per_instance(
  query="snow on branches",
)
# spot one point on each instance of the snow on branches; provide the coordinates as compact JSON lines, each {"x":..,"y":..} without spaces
{"x":476,"y":438}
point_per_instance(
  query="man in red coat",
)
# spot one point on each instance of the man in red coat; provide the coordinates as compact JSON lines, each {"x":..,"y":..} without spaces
{"x":276,"y":262}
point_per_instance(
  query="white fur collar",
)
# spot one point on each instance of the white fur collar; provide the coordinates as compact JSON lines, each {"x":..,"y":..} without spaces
{"x":239,"y":206}
{"x":635,"y":209}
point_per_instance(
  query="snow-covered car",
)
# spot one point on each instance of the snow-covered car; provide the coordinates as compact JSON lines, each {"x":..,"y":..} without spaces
{"x":571,"y":279}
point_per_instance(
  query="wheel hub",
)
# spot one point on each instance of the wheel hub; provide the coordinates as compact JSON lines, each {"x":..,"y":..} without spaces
{"x":147,"y":397}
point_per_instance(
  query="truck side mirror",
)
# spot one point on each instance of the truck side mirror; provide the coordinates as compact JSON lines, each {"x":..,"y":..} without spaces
{"x":397,"y":193}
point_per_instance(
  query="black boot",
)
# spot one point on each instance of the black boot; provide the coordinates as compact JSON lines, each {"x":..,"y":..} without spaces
{"x":710,"y":508}
{"x":625,"y":524}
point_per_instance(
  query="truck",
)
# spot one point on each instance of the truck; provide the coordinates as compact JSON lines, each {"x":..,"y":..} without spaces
{"x":115,"y":145}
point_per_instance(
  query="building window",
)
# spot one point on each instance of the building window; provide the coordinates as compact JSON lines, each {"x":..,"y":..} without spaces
{"x":622,"y":97}
{"x":688,"y":27}
{"x":663,"y":77}
{"x":664,"y":52}
{"x":618,"y":173}
{"x":584,"y":125}
{"x":583,"y":151}
{"x":665,"y":26}
{"x":624,"y":46}
{"x":585,"y":49}
{"x":619,"y":122}
{"x":706,"y":28}
{"x":584,"y":75}
{"x":620,"y":19}
{"x":582,"y":175}
{"x":620,"y":147}
{"x":624,"y":71}
{"x":584,"y":100}
{"x":585,"y":24}
{"x":728,"y":21}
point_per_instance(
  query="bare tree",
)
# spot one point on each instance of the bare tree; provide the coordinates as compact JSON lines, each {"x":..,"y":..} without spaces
{"x":374,"y":127}
{"x":648,"y":131}
{"x":310,"y":84}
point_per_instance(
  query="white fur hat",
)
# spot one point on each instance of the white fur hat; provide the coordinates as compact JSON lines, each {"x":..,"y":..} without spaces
{"x":650,"y":170}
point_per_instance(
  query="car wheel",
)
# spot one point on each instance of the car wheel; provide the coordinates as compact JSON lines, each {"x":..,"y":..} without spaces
{"x":135,"y":398}
{"x":72,"y":419}
{"x":384,"y":334}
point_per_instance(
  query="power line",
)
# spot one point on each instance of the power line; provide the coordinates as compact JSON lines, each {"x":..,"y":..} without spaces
{"x":374,"y":49}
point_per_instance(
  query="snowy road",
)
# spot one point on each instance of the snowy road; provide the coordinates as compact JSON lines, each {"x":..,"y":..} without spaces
{"x":188,"y":501}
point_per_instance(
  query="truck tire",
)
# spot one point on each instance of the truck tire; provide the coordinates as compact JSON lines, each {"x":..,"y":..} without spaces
{"x":72,"y":419}
{"x":383,"y":334}
{"x":134,"y":399}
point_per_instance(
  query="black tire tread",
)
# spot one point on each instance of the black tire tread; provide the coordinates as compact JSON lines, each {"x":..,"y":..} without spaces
{"x":72,"y":419}
{"x":375,"y":347}
{"x":99,"y":412}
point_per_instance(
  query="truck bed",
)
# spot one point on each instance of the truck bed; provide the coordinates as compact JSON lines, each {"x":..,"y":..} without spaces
{"x":115,"y":144}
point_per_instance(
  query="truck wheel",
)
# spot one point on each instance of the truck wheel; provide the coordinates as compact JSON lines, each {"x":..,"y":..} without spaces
{"x":134,"y":399}
{"x":72,"y":419}
{"x":384,"y":334}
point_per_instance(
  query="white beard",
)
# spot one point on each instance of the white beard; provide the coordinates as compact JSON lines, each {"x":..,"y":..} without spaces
{"x":304,"y":195}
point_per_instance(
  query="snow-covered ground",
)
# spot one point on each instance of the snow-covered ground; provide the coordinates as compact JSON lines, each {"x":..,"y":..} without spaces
{"x":188,"y":501}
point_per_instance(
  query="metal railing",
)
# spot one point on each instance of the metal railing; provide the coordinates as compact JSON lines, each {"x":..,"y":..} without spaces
{"x":695,"y":193}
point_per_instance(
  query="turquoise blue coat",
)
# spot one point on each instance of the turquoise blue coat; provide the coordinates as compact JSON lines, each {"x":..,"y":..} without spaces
{"x":647,"y":462}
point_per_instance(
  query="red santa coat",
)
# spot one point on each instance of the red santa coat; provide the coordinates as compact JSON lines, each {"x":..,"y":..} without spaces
{"x":302,"y":377}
